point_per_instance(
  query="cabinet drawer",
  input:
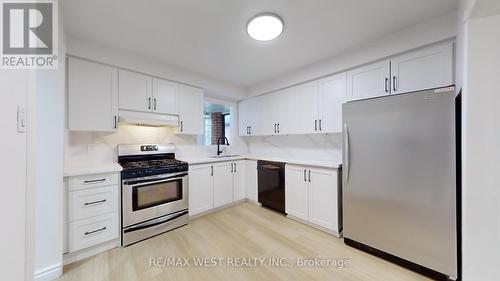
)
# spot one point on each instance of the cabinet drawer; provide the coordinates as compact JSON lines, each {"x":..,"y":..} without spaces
{"x":92,"y":202}
{"x":92,"y":231}
{"x":91,"y":181}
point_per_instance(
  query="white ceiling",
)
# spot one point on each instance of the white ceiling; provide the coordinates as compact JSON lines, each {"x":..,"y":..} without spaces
{"x":209,"y":36}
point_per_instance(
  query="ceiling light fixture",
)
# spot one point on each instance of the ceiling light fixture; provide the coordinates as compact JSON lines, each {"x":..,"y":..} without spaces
{"x":265,"y":26}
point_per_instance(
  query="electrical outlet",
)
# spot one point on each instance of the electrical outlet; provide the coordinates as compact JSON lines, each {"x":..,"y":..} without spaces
{"x":91,"y":147}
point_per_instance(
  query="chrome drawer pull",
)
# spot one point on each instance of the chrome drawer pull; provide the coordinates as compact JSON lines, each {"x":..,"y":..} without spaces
{"x":95,"y":231}
{"x":94,"y":181}
{"x":95,"y":202}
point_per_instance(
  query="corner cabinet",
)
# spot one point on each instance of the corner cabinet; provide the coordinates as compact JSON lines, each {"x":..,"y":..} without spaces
{"x":190,"y":110}
{"x":313,"y":196}
{"x":92,"y":96}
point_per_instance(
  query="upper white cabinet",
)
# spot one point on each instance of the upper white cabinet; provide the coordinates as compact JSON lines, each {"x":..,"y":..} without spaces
{"x":190,"y":110}
{"x":135,"y":91}
{"x":426,"y":68}
{"x":369,"y":81}
{"x":332,"y":94}
{"x":92,"y":96}
{"x":165,"y":97}
{"x":302,"y":108}
{"x":423,"y":69}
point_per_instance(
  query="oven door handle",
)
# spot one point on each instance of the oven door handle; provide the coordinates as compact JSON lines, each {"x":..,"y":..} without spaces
{"x":153,"y":181}
{"x":155,"y":222}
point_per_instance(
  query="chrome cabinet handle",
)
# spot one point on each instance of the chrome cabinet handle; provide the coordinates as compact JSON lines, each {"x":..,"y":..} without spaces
{"x":320,"y":125}
{"x":154,"y":104}
{"x":231,"y":167}
{"x":235,"y":167}
{"x":94,"y":181}
{"x":212,"y":170}
{"x":274,"y":128}
{"x":386,"y":85}
{"x":115,"y":122}
{"x":309,"y":175}
{"x":394,"y":79}
{"x":316,"y":124}
{"x":182,"y":126}
{"x":149,"y":103}
{"x":278,"y":128}
{"x":305,"y":175}
{"x":346,"y":155}
{"x":94,"y":202}
{"x":95,"y":231}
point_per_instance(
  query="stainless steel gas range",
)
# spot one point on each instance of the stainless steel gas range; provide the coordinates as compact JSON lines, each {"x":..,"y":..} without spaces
{"x":154,"y":191}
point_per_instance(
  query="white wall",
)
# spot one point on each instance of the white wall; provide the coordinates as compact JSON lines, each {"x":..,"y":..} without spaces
{"x":481,"y":150}
{"x":50,"y":92}
{"x":431,"y":31}
{"x":92,"y":51}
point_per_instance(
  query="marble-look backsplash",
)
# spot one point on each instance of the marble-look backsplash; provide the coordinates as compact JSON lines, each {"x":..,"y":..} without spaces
{"x":104,"y":144}
{"x":318,"y":147}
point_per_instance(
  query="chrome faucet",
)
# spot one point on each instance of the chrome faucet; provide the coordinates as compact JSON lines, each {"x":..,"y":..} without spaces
{"x":226,"y":142}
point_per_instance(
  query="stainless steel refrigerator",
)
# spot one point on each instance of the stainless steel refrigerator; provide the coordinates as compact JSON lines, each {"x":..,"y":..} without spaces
{"x":399,"y":179}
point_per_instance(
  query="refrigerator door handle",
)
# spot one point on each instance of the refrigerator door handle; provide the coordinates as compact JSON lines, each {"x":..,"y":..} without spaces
{"x":346,"y":155}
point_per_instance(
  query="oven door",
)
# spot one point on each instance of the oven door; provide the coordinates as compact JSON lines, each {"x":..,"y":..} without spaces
{"x":148,"y":198}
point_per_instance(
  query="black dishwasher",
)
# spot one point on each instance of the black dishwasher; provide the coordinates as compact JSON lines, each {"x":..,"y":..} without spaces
{"x":271,"y":179}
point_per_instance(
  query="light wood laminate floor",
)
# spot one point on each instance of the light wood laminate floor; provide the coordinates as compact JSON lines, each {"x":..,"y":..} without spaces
{"x":240,"y":231}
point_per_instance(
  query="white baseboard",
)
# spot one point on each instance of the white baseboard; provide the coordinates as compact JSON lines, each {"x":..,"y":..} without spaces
{"x":91,"y":251}
{"x":49,"y":273}
{"x":324,"y":229}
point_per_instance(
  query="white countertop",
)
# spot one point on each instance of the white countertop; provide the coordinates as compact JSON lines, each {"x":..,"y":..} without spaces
{"x":204,"y":160}
{"x":71,"y":171}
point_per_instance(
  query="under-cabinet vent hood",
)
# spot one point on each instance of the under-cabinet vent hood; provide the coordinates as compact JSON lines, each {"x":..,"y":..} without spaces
{"x":148,"y":119}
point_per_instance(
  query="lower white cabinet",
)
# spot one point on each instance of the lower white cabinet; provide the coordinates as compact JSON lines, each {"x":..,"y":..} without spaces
{"x":215,"y":185}
{"x":93,"y":210}
{"x":251,"y":180}
{"x":201,"y":188}
{"x":223,"y":184}
{"x":312,"y":196}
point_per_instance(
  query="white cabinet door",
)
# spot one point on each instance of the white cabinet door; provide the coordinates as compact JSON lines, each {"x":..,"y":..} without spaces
{"x":296,"y":194}
{"x":251,"y":180}
{"x":200,"y":189}
{"x":247,"y":115}
{"x":135,"y":91}
{"x":302,"y":111}
{"x":92,"y":96}
{"x":332,"y":94}
{"x":423,"y":69}
{"x":190,"y":110}
{"x":269,"y":111}
{"x":165,"y":97}
{"x":223,"y":184}
{"x":323,"y":199}
{"x":239,"y":180}
{"x":368,"y":81}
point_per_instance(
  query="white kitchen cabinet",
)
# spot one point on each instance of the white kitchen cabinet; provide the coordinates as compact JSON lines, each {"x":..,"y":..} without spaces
{"x":422,"y":69}
{"x":312,"y":196}
{"x":296,"y":192}
{"x":332,"y":94}
{"x":369,"y":81}
{"x":200,"y":189}
{"x":323,"y":199}
{"x":135,"y":91}
{"x":239,"y":180}
{"x":93,"y":210}
{"x":165,"y":97}
{"x":223,"y":184}
{"x":302,"y":109}
{"x":251,"y":180}
{"x":92,"y":96}
{"x":190,"y":110}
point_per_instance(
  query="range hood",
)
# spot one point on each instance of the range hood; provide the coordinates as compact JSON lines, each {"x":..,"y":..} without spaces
{"x":147,"y":119}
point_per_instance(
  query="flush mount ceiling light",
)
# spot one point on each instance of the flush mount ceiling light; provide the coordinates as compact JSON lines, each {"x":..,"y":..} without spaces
{"x":265,"y":27}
